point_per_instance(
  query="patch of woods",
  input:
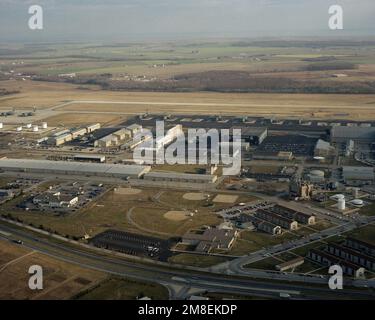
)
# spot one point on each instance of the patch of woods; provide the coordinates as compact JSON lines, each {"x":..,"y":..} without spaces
{"x":326,"y":66}
{"x":304,"y":44}
{"x":4,"y":92}
{"x":231,"y":81}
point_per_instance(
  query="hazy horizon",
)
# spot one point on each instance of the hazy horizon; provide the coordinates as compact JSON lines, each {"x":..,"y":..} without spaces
{"x":151,"y":20}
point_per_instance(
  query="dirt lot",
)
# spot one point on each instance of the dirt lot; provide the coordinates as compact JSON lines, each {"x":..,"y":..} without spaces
{"x":61,"y":280}
{"x":176,"y":215}
{"x":194,"y":196}
{"x":225,"y":198}
{"x":127,"y":191}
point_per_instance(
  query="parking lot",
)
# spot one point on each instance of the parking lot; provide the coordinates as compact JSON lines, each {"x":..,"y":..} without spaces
{"x":297,"y":144}
{"x":63,"y":198}
{"x":134,"y":244}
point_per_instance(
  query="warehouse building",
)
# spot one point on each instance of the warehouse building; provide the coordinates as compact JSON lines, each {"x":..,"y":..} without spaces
{"x":134,"y":129}
{"x":115,"y":138}
{"x":89,"y":158}
{"x":122,"y":134}
{"x":358,"y":176}
{"x":93,"y":127}
{"x":288,"y":224}
{"x":351,"y":255}
{"x":60,"y":140}
{"x":169,"y":137}
{"x":74,"y":168}
{"x":326,"y":259}
{"x":341,"y":134}
{"x":300,"y":217}
{"x":267,"y":227}
{"x":61,"y":137}
{"x":209,"y":239}
{"x":323,"y":149}
{"x":253,"y":135}
{"x":78,"y":132}
{"x":362,"y":246}
{"x":180,"y":177}
{"x":106,"y":142}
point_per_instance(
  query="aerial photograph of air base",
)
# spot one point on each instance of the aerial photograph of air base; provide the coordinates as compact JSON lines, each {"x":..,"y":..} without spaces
{"x":207,"y":167}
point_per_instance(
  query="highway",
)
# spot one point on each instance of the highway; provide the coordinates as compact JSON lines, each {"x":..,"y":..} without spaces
{"x":174,"y":277}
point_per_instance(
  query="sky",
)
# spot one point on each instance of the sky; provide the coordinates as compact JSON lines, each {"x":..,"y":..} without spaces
{"x":138,"y":20}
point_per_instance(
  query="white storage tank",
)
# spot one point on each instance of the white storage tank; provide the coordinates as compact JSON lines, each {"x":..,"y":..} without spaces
{"x":28,"y":126}
{"x":357,"y":202}
{"x":44,"y":125}
{"x":341,"y":204}
{"x":35,"y":128}
{"x":337,"y":197}
{"x":19,"y":129}
{"x":1,"y":125}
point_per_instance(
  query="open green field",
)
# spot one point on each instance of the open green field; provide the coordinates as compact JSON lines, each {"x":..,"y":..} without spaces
{"x":250,"y":241}
{"x":114,"y":288}
{"x":365,"y":233}
{"x":368,"y":210}
{"x":148,"y":59}
{"x":195,"y":260}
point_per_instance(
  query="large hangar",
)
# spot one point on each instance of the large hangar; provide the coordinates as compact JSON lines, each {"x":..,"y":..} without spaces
{"x":342,"y":134}
{"x":253,"y":135}
{"x":74,"y":168}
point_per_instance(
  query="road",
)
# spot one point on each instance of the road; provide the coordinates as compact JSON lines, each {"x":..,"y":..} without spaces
{"x":173,"y":277}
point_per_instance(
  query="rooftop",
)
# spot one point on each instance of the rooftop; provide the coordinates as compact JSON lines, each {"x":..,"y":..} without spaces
{"x":353,"y":132}
{"x":71,"y":166}
{"x":173,"y":175}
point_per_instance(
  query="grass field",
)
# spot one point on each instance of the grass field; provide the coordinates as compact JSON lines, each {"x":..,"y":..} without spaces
{"x":250,"y":241}
{"x":61,"y":280}
{"x":141,"y":212}
{"x":368,"y":210}
{"x":114,"y":288}
{"x":319,"y":106}
{"x":195,"y":260}
{"x":365,"y":233}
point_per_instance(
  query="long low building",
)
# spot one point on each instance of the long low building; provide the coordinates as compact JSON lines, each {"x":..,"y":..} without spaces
{"x":327,"y":259}
{"x":286,"y":223}
{"x":300,"y":217}
{"x":180,"y":177}
{"x":89,"y":158}
{"x":73,"y":168}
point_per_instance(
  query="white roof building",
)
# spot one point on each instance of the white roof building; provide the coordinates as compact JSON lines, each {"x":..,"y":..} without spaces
{"x":74,"y":168}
